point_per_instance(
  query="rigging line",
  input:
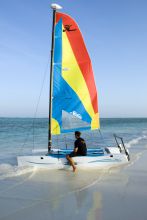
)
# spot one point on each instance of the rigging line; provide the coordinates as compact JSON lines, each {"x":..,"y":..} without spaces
{"x":33,"y":123}
{"x":25,"y":141}
{"x":105,"y":141}
{"x":102,"y":137}
{"x":42,"y":85}
{"x":65,"y":141}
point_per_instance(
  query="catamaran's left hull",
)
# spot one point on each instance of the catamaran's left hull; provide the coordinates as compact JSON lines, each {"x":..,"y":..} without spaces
{"x":60,"y":162}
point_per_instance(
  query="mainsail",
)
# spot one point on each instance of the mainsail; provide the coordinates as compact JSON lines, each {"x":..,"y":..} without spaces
{"x":74,"y":102}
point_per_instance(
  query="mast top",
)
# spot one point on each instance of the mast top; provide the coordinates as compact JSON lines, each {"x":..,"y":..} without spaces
{"x":56,"y":6}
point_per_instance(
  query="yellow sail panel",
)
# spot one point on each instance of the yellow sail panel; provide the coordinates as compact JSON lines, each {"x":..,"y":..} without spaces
{"x":73,"y":75}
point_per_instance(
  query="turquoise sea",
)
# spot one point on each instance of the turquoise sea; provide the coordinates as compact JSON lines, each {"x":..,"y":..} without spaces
{"x":19,"y":136}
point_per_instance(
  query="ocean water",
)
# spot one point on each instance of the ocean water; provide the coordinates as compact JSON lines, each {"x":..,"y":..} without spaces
{"x":19,"y":136}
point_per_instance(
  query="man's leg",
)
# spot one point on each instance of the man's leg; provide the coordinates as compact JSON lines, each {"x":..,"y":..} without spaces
{"x":71,"y":162}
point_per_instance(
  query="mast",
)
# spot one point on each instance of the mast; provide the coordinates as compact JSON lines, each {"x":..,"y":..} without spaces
{"x":54,"y":7}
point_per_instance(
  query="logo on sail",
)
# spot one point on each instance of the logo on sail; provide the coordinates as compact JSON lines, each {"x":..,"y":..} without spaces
{"x":74,"y":113}
{"x":68,"y":28}
{"x":65,"y":69}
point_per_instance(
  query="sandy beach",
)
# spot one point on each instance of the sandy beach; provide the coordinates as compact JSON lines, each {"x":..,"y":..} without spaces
{"x":118,"y":193}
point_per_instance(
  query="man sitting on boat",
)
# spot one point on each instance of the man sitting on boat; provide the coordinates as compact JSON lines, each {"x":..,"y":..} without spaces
{"x":80,"y":149}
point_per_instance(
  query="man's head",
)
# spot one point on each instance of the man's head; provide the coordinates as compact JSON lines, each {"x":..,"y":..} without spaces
{"x":77,"y":134}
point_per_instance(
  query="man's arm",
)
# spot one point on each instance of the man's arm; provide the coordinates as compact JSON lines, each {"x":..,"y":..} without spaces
{"x":76,"y":146}
{"x":75,"y":149}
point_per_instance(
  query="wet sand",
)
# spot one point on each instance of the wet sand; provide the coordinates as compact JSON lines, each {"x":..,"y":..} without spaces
{"x":115,"y":194}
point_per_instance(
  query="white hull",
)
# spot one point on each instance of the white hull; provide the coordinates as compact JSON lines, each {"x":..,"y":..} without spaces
{"x":57,"y":160}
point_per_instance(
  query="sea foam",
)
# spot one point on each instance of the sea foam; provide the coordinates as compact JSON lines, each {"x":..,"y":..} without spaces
{"x":8,"y":170}
{"x":135,"y":141}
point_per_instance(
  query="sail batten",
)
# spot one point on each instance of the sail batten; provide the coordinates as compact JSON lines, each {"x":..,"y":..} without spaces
{"x":74,"y":90}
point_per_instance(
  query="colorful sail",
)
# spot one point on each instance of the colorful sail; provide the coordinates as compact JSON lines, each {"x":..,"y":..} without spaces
{"x":74,"y":92}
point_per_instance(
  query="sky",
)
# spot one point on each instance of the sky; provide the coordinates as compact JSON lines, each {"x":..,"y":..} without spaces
{"x":115,"y":33}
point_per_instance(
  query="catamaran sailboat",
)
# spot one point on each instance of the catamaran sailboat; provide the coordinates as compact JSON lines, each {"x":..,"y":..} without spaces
{"x":73,"y":96}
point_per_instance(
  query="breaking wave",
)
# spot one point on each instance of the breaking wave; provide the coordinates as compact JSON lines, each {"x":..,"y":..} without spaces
{"x":8,"y":170}
{"x":135,"y":140}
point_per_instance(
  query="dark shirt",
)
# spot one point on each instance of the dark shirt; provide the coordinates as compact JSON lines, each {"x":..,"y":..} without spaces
{"x":81,"y":145}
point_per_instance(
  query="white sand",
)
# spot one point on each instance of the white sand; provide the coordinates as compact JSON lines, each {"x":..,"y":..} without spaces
{"x":116,"y":194}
